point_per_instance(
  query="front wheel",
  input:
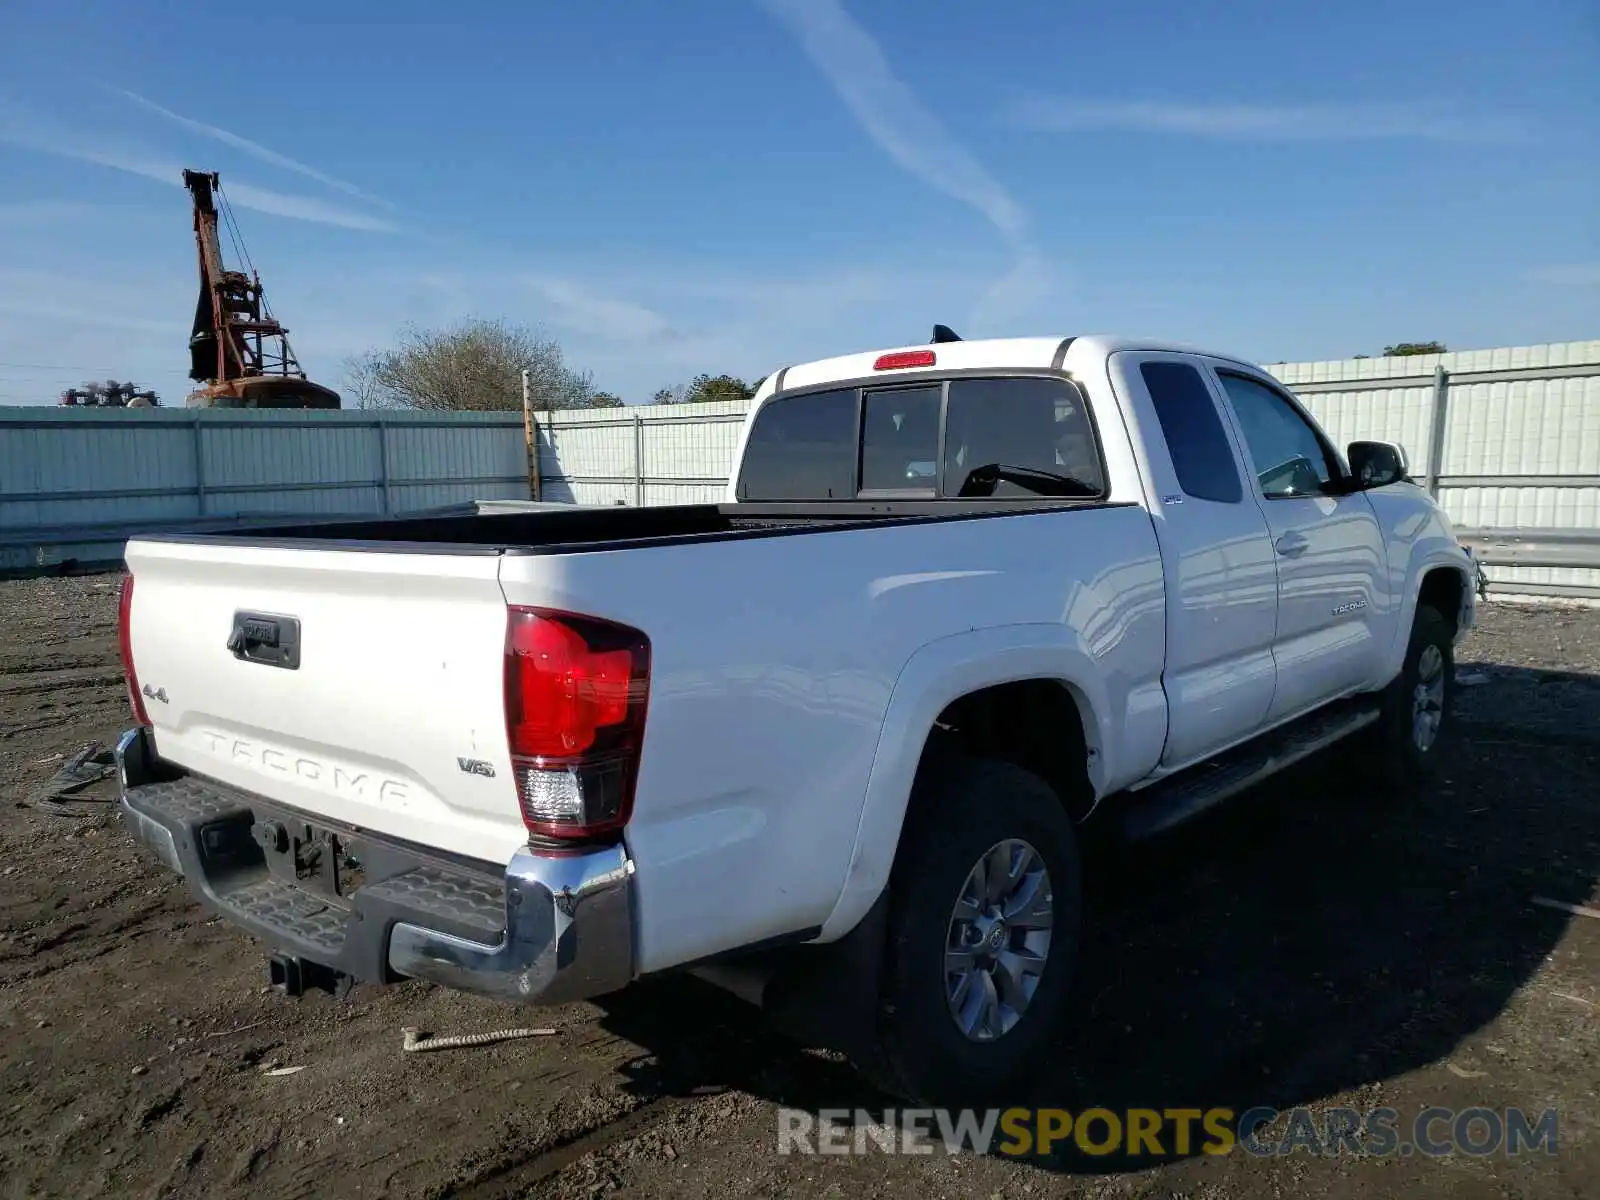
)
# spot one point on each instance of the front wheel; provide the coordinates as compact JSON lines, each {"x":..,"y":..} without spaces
{"x":1415,"y":722}
{"x":983,"y":927}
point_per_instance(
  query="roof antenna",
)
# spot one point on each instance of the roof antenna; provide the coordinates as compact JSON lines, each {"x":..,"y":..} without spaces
{"x":943,"y":333}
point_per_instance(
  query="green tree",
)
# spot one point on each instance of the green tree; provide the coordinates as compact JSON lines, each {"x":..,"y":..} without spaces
{"x":605,"y":400}
{"x":1402,"y":349}
{"x":475,"y":365}
{"x":707,"y":387}
{"x":719,"y":387}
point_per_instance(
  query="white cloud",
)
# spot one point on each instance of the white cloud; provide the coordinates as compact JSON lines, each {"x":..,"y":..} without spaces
{"x":890,"y":113}
{"x":60,"y":327}
{"x":1567,"y":274}
{"x":582,"y":310}
{"x":1263,"y":122}
{"x":82,"y":299}
{"x":254,"y":149}
{"x":42,"y":137}
{"x":305,"y":208}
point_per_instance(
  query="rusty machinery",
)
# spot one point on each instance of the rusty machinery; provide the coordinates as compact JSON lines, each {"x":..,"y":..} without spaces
{"x":110,"y":394}
{"x":238,"y":350}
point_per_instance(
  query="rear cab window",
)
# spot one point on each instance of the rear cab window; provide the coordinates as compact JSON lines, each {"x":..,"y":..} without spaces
{"x":1192,"y":429}
{"x":970,"y":437}
{"x":802,"y":448}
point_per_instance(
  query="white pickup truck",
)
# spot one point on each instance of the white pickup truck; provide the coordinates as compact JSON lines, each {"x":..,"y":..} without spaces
{"x":830,"y":742}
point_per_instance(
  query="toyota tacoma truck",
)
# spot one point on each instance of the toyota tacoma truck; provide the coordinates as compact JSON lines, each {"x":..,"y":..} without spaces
{"x":831,"y":743}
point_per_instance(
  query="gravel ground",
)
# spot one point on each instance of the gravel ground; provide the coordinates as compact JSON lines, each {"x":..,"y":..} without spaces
{"x":1304,"y":946}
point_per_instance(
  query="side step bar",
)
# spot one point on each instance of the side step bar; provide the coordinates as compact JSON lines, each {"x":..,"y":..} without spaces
{"x":1174,"y":800}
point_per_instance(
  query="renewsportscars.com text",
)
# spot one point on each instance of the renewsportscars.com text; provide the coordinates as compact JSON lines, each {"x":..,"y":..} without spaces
{"x":1170,"y":1132}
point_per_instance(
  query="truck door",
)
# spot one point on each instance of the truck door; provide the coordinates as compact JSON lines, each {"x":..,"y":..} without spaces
{"x":1221,"y":572}
{"x":1329,"y":547}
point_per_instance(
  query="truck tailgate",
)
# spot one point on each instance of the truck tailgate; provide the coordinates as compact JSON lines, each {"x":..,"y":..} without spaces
{"x":380,"y":706}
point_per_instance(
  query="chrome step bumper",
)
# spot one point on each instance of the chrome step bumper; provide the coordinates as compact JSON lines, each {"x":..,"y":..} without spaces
{"x":543,"y":929}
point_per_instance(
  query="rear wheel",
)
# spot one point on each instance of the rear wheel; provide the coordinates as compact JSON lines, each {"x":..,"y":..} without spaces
{"x":983,"y":925}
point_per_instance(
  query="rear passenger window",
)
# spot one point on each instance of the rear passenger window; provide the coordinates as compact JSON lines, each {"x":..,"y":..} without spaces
{"x":1019,"y":437}
{"x":802,"y":449}
{"x":1193,"y":431}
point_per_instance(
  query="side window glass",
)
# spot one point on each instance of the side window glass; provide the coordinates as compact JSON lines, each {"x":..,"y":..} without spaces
{"x":1288,"y":456}
{"x":1193,"y":431}
{"x":900,"y":439}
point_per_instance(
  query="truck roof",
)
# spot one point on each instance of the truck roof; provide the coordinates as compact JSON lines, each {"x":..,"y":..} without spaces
{"x":1036,"y":352}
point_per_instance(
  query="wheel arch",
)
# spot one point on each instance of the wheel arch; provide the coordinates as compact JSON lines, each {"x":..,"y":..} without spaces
{"x":1016,"y":663}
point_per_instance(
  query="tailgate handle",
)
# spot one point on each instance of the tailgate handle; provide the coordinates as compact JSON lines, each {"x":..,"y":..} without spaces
{"x":264,"y":638}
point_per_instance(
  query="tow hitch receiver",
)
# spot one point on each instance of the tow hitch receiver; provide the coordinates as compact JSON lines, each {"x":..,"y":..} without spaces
{"x":295,"y":976}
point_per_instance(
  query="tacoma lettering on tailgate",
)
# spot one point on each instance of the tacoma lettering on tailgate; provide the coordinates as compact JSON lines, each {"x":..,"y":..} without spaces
{"x":347,"y":782}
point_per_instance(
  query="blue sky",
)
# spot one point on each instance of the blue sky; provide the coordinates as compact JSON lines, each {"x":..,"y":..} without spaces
{"x":729,"y":185}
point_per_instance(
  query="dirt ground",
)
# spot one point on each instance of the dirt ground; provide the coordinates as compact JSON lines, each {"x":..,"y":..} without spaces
{"x":1304,"y":946}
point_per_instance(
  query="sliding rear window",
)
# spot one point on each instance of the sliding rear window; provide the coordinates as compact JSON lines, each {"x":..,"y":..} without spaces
{"x":972,"y":437}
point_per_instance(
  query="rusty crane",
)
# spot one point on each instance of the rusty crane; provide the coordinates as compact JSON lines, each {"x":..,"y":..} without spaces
{"x":238,"y":351}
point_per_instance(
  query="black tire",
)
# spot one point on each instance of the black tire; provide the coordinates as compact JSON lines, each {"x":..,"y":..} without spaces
{"x":1400,"y":761}
{"x":959,"y":811}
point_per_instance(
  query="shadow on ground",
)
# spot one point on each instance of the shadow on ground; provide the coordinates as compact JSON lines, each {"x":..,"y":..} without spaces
{"x":1299,"y":942}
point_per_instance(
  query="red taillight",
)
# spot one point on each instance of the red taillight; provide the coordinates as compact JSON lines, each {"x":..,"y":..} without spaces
{"x":905,"y":358}
{"x":575,"y":694}
{"x":125,"y":645}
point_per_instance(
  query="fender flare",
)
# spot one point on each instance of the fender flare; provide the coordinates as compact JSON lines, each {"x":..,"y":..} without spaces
{"x":1427,"y":555}
{"x":937,"y":674}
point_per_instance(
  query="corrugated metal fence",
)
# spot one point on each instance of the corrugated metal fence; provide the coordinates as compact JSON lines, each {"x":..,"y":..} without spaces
{"x":1509,"y":440}
{"x":660,"y":454}
{"x":76,"y":483}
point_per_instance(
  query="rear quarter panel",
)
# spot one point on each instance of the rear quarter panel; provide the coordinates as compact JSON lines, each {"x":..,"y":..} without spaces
{"x":774,"y":661}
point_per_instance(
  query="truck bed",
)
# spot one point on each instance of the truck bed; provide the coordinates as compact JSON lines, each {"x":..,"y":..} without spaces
{"x":619,"y":528}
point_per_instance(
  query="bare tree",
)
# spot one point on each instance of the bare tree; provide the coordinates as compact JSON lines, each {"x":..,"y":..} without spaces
{"x":360,"y":387}
{"x":473,"y":366}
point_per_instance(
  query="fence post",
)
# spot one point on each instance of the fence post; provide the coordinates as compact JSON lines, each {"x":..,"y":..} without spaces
{"x":535,"y":467}
{"x":638,"y":459}
{"x":199,"y":464}
{"x":1436,"y":424}
{"x":530,"y":440}
{"x":386,"y":502}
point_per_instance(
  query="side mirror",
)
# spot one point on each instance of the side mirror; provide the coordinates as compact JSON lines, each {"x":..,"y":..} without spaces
{"x":1377,"y":464}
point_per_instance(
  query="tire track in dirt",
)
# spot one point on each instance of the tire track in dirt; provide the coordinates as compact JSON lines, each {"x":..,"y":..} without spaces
{"x":63,"y":682}
{"x":103,"y":942}
{"x":514,"y":1178}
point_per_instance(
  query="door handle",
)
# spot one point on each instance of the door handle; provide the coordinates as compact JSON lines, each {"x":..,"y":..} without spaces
{"x":1292,"y":545}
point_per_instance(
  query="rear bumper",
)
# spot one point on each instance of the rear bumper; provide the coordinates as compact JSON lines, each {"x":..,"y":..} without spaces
{"x":541,"y":930}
